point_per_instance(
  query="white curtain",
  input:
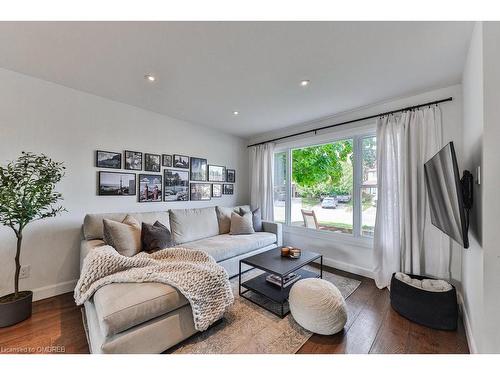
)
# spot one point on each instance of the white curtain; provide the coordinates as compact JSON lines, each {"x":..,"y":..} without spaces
{"x":404,"y":239}
{"x":261,"y":179}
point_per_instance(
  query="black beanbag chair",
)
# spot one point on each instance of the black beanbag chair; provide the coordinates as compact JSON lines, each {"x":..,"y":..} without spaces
{"x":437,"y":310}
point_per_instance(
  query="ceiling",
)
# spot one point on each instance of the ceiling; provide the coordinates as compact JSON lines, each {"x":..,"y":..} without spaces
{"x":207,"y":70}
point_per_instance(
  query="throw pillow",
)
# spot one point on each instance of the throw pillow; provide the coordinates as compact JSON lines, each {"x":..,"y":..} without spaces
{"x":241,"y":224}
{"x":256,"y":218}
{"x":125,"y":237}
{"x":155,"y":237}
{"x":224,"y":218}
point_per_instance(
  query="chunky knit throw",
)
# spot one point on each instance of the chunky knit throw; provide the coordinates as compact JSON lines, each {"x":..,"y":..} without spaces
{"x":194,"y":273}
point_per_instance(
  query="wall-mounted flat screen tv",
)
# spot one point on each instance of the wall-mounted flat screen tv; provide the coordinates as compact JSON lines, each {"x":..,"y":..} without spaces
{"x":444,"y":189}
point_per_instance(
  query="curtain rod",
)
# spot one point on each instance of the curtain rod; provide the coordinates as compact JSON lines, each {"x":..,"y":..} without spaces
{"x":356,"y":120}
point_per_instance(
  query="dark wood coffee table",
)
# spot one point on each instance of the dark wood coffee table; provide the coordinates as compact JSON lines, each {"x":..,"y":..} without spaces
{"x":272,"y":262}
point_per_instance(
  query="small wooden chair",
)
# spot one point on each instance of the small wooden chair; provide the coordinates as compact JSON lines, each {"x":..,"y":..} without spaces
{"x":310,"y":220}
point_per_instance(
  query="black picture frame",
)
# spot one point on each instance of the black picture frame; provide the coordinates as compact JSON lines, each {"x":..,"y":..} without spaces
{"x":147,"y":195}
{"x":216,"y":173}
{"x":180,"y":161}
{"x":231,"y":175}
{"x":228,"y":189}
{"x":152,"y":162}
{"x":133,"y":160}
{"x":198,"y":169}
{"x":166,"y":160}
{"x":108,"y":159}
{"x":176,"y":185}
{"x":200,"y":191}
{"x":109,"y":184}
{"x":216,"y":190}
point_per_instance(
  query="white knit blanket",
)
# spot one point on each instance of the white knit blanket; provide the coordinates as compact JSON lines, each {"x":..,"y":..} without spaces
{"x":194,"y":273}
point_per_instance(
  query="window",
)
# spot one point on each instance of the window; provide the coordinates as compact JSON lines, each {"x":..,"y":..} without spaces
{"x":322,"y":184}
{"x":329,"y":187}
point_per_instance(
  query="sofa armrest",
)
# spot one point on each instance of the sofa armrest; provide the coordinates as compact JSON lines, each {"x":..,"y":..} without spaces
{"x":275,"y":228}
{"x":86,"y":247}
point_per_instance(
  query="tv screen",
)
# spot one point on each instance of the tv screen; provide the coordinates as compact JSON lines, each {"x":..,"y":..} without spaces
{"x":445,"y":194}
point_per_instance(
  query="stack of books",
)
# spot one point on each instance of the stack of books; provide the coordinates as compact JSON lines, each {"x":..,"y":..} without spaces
{"x":287,"y":280}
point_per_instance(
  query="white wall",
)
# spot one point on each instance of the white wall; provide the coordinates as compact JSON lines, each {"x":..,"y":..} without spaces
{"x":491,"y":187}
{"x":350,"y":254}
{"x":69,"y":125}
{"x":472,"y":258}
{"x":481,"y":262}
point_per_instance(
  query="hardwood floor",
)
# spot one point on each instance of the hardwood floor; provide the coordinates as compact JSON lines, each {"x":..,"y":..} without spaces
{"x":372,"y":327}
{"x":55,"y":327}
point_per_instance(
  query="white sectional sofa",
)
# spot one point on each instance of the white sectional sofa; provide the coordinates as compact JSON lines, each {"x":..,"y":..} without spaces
{"x":152,"y":317}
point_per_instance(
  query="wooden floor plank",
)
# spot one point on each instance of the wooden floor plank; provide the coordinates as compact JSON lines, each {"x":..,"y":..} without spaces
{"x":393,"y":335}
{"x":372,"y":327}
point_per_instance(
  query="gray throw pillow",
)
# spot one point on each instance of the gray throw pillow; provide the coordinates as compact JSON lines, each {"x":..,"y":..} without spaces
{"x":155,"y":237}
{"x":125,"y":237}
{"x":256,"y":218}
{"x":241,"y":224}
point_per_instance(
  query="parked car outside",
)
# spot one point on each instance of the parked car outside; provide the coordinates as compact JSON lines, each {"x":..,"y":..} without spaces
{"x":329,"y":202}
{"x":343,"y":198}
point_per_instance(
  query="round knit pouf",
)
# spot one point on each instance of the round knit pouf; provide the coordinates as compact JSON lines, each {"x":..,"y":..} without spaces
{"x":318,"y":306}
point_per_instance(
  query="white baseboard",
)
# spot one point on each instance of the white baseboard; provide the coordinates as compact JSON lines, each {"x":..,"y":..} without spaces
{"x":467,"y":325}
{"x":348,"y":267}
{"x":53,"y":290}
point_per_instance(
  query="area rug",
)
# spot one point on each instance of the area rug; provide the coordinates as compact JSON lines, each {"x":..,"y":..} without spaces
{"x":249,"y":329}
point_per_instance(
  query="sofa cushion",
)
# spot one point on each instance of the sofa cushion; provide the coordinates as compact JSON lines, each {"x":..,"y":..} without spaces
{"x":224,"y":216}
{"x":241,"y":224}
{"x":155,"y":237}
{"x":93,"y":227}
{"x":225,"y":246}
{"x":120,"y":306}
{"x":256,"y":219}
{"x":192,"y":224}
{"x":124,"y":236}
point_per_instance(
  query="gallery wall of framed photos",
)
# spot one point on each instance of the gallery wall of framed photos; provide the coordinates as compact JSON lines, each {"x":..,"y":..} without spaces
{"x":161,"y":177}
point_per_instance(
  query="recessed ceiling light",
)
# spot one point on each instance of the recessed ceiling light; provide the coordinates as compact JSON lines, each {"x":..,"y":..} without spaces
{"x":150,"y":77}
{"x":236,"y":113}
{"x":304,"y":82}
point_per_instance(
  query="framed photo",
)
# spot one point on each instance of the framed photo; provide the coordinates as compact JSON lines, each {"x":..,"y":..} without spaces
{"x":216,"y":190}
{"x":108,"y":159}
{"x":150,"y":188}
{"x":176,"y":185}
{"x":181,"y":161}
{"x":230,"y":175}
{"x":152,"y":163}
{"x":228,"y":189}
{"x":198,"y":169}
{"x":216,"y":173}
{"x":133,"y":160}
{"x":201,"y":192}
{"x":166,"y":160}
{"x":116,"y":183}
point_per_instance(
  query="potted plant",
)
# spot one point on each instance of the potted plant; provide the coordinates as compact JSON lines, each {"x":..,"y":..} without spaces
{"x":27,"y":193}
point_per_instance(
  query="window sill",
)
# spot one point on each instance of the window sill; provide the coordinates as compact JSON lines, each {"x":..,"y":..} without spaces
{"x":364,"y":242}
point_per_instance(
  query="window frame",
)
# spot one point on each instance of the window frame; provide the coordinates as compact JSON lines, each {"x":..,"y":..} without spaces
{"x":357,"y":134}
{"x":363,"y":185}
